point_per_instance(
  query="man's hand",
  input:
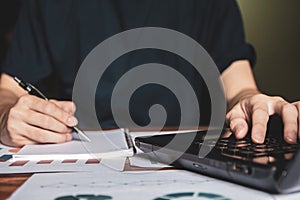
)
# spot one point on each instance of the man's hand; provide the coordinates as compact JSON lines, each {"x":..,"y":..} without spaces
{"x":248,"y":107}
{"x":256,"y":109}
{"x":33,"y":120}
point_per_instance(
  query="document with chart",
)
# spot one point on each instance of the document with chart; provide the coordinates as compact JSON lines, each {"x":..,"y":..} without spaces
{"x":104,"y":144}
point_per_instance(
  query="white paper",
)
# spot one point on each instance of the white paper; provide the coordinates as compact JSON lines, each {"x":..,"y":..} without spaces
{"x":147,"y":185}
{"x":55,"y":166}
{"x":104,"y":144}
{"x":114,"y":163}
{"x":144,"y":160}
{"x":63,"y":165}
{"x":293,"y":196}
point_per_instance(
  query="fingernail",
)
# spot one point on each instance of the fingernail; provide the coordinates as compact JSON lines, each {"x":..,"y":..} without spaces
{"x":239,"y":132}
{"x":291,"y":139}
{"x":72,"y":121}
{"x":258,"y":138}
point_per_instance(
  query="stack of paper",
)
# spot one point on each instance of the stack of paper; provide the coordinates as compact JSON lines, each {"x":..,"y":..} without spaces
{"x":104,"y":144}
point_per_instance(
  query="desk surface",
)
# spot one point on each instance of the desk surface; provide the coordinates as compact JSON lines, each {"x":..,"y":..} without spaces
{"x":10,"y":182}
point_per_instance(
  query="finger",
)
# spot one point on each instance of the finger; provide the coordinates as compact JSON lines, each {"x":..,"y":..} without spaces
{"x":67,"y":106}
{"x":237,"y":123}
{"x":48,"y":108}
{"x":24,"y":142}
{"x":16,"y":135}
{"x":21,"y":141}
{"x":45,"y":122}
{"x":45,"y":136}
{"x":15,"y":140}
{"x":297,"y":104}
{"x":260,"y":118}
{"x":289,"y":115}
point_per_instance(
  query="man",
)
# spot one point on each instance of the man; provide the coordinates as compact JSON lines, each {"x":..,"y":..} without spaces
{"x":52,"y":39}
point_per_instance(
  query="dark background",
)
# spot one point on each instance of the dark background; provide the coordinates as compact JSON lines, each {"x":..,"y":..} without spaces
{"x":8,"y":16}
{"x":273,"y":27}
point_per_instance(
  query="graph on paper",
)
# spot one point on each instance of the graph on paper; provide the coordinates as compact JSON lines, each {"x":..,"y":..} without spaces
{"x":155,"y":185}
{"x":8,"y":165}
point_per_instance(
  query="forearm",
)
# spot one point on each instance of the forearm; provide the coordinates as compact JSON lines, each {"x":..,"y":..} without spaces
{"x":238,"y":82}
{"x":8,"y":100}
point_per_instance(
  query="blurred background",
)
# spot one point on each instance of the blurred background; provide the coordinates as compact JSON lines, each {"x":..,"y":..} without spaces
{"x":273,"y":28}
{"x":9,"y":10}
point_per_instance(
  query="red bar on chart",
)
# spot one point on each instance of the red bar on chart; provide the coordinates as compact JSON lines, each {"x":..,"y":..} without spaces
{"x":45,"y":162}
{"x":93,"y":161}
{"x":69,"y":161}
{"x":19,"y":163}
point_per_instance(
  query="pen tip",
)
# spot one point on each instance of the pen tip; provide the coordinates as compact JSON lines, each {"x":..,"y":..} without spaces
{"x":82,"y":134}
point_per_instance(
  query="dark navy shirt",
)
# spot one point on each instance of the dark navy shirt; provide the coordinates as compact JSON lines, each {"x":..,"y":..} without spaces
{"x":52,"y":38}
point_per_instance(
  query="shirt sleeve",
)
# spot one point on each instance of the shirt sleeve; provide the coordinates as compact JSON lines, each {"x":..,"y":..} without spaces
{"x":28,"y":57}
{"x":225,"y":37}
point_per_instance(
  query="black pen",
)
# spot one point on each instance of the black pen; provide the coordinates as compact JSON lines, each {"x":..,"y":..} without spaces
{"x":34,"y":91}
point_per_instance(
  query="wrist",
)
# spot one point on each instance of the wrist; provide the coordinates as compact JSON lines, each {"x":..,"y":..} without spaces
{"x":9,"y":100}
{"x":3,"y":124}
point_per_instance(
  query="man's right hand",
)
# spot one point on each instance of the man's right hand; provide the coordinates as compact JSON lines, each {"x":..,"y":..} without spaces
{"x":26,"y":119}
{"x":34,"y":120}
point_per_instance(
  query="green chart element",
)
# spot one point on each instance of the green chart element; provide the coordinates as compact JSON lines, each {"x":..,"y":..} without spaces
{"x":5,"y":157}
{"x":192,"y":195}
{"x":85,"y":197}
